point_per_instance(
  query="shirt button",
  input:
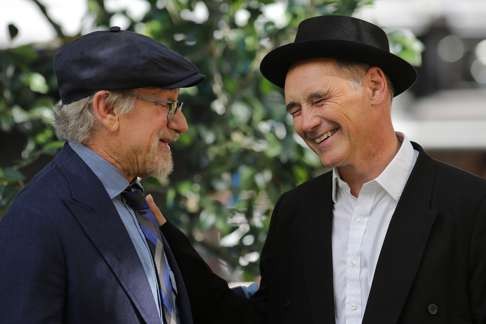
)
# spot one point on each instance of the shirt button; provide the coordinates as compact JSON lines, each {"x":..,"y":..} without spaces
{"x":433,"y":309}
{"x":358,"y":219}
{"x":354,"y":263}
{"x":354,"y":307}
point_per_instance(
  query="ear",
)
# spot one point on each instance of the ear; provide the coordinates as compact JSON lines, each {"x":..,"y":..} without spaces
{"x":103,"y":112}
{"x":377,"y":85}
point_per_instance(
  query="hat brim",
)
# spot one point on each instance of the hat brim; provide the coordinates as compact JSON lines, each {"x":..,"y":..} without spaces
{"x":189,"y":81}
{"x":276,"y":63}
{"x":186,"y":82}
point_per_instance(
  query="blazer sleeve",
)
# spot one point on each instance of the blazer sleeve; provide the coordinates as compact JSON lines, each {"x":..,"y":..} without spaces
{"x":212,"y":301}
{"x":32,"y":281}
{"x":478,"y":266}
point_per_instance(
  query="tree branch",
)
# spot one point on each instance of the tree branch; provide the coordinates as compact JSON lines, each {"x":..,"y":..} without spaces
{"x":54,"y":24}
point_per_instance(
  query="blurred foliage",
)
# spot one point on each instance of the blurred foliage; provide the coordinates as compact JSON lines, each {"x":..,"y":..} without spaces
{"x":240,"y":152}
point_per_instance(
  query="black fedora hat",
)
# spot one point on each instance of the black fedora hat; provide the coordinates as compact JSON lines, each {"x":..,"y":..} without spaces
{"x":340,"y":37}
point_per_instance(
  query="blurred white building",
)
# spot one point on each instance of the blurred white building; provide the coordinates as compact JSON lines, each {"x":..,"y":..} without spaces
{"x":446,"y":109}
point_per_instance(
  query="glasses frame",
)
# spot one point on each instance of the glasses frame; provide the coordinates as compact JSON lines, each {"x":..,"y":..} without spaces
{"x":173,"y":106}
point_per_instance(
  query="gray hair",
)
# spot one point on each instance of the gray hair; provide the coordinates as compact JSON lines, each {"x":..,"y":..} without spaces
{"x":357,"y":70}
{"x":75,"y":121}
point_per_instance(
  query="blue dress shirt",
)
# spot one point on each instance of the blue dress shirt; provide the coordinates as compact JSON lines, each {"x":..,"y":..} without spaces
{"x":114,"y":183}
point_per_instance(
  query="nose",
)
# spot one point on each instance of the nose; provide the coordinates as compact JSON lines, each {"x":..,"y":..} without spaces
{"x":309,"y":120}
{"x":178,"y":123}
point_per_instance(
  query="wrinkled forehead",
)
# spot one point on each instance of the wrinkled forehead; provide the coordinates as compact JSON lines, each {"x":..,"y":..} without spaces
{"x":306,"y":75}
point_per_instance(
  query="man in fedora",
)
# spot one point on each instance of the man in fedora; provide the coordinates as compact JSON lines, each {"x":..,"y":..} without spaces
{"x":79,"y":244}
{"x":389,"y":235}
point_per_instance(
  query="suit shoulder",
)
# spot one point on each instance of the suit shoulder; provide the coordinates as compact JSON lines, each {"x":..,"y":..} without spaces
{"x":42,"y":193}
{"x":319,"y":183}
{"x":319,"y":186}
{"x":458,"y":179}
{"x":457,"y":192}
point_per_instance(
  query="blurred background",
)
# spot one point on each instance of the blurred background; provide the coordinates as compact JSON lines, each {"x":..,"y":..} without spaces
{"x":240,"y":153}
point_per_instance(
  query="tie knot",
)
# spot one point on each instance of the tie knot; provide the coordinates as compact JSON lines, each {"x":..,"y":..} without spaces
{"x":134,"y":196}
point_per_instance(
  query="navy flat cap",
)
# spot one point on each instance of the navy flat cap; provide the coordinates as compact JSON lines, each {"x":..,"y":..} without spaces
{"x":117,"y":60}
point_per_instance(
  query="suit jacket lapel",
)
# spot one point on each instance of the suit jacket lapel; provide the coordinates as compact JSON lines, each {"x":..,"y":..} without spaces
{"x":99,"y":219}
{"x":315,"y":252}
{"x":403,"y":247}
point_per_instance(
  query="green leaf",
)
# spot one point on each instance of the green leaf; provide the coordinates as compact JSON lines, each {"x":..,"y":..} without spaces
{"x":12,"y":175}
{"x":24,"y":54}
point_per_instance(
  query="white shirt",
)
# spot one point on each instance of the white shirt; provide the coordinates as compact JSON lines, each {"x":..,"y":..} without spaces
{"x":359,"y":228}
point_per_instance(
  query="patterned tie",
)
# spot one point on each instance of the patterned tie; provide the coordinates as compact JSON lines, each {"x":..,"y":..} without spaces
{"x":134,"y":197}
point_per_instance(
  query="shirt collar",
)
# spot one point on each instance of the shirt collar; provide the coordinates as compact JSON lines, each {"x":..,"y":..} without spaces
{"x":393,"y":178}
{"x":337,"y":183}
{"x":111,"y":178}
{"x":396,"y":173}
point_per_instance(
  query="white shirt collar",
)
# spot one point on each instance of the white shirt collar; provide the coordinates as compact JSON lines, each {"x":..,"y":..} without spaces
{"x":393,"y":178}
{"x":337,"y":183}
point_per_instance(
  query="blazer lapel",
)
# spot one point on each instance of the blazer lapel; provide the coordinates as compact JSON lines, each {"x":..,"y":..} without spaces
{"x":99,"y":219}
{"x":314,"y":255}
{"x":403,"y":246}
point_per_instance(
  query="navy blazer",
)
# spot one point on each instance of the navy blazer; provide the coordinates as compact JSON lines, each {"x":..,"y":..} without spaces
{"x":66,"y":257}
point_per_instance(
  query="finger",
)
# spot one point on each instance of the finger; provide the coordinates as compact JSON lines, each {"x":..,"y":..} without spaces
{"x":153,"y":207}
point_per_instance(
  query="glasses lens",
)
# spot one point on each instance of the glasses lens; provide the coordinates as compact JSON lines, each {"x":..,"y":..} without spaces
{"x":174,"y":107}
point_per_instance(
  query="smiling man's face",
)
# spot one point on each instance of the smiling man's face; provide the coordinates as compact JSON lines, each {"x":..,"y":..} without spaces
{"x":330,"y":110}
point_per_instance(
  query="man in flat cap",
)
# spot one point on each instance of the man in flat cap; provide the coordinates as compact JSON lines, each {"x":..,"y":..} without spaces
{"x":389,"y":235}
{"x":79,"y":244}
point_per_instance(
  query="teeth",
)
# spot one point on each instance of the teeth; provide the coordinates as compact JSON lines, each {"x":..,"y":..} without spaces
{"x":324,"y":136}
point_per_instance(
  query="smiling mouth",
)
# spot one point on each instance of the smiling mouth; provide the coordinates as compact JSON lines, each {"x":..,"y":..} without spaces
{"x":325,"y":136}
{"x":165,"y":143}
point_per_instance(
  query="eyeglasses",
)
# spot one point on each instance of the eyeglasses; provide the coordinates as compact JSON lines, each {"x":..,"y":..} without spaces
{"x":173,"y":106}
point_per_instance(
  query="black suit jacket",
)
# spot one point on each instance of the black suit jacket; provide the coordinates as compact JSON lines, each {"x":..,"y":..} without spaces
{"x":431,"y":269}
{"x":66,"y":257}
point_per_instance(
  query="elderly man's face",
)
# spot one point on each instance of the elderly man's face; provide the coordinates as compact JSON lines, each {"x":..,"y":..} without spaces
{"x":329,"y":111}
{"x":146,"y":134}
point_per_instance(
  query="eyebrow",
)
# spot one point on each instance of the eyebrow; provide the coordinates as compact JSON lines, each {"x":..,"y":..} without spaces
{"x":317,"y":95}
{"x":291,"y":105}
{"x":309,"y":99}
